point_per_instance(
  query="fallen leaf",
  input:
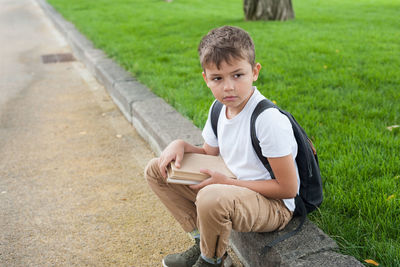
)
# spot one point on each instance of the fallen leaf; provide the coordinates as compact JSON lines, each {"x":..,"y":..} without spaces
{"x":372,"y":262}
{"x":325,"y":66}
{"x":390,"y":197}
{"x":390,"y":128}
{"x":273,"y":101}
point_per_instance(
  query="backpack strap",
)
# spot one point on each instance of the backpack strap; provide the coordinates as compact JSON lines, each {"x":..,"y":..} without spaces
{"x":215,"y":111}
{"x":261,"y":106}
{"x":300,"y":206}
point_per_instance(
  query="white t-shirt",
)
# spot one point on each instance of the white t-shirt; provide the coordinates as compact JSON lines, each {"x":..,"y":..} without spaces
{"x":274,"y":131}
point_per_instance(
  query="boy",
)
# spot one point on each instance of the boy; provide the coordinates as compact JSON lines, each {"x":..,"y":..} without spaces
{"x":252,"y":202}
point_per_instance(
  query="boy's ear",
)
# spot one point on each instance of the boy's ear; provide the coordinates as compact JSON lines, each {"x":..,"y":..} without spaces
{"x":205,"y":77}
{"x":256,"y":71}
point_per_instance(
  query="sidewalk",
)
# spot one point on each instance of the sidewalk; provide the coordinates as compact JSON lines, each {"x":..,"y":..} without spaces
{"x":159,"y":124}
{"x":72,"y":191}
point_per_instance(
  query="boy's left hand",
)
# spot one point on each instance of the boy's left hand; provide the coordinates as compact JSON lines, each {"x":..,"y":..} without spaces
{"x":215,"y":178}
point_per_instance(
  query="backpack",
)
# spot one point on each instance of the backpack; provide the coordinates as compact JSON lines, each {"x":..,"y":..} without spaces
{"x":310,"y":194}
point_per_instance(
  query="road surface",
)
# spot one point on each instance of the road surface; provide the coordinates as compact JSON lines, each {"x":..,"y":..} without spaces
{"x":72,"y":191}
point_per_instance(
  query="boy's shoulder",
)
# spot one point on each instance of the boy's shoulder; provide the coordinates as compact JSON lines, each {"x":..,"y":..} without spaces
{"x":271,"y":114}
{"x":270,"y":120}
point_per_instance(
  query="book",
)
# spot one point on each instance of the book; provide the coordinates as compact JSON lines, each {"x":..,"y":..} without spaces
{"x":191,"y":164}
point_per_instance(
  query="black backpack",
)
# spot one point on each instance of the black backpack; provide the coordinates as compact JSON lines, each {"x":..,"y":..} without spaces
{"x":310,"y":194}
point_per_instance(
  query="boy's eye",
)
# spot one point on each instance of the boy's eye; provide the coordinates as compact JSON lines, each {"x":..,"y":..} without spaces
{"x":238,"y":75}
{"x":216,"y":78}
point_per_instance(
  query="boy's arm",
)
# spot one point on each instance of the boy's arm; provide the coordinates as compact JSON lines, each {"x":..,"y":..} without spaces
{"x":210,"y":150}
{"x":285,"y":183}
{"x":283,"y":186}
{"x":175,"y":151}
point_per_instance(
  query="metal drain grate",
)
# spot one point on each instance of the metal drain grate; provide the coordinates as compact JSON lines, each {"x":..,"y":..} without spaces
{"x":55,"y":58}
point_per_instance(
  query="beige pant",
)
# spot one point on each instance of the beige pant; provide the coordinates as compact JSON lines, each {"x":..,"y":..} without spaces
{"x":216,"y":209}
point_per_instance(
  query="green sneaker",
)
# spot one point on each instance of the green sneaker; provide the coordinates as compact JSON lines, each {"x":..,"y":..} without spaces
{"x":184,"y":259}
{"x":202,"y":263}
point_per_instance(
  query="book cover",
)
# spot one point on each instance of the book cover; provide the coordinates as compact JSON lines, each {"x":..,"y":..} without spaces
{"x":192,"y":163}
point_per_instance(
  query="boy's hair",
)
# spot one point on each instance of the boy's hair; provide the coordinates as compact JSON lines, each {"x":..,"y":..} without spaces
{"x":224,"y":44}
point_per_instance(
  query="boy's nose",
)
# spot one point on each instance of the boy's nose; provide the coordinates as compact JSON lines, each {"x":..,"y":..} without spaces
{"x":228,"y":85}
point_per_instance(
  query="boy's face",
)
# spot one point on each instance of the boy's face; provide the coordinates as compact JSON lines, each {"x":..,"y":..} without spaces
{"x":232,"y":84}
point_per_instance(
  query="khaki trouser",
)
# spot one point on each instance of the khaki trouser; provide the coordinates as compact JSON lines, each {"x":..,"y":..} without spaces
{"x":216,"y":209}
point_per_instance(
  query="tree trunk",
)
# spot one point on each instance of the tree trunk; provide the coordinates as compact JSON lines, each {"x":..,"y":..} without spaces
{"x":268,"y":9}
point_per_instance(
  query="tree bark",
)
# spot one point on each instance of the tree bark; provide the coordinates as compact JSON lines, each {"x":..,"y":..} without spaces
{"x":268,"y":9}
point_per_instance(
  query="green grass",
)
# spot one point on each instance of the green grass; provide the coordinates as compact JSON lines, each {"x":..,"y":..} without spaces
{"x":336,"y":67}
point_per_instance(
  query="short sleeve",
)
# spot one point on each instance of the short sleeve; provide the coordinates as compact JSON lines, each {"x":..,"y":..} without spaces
{"x":275,"y":133}
{"x":208,"y":133}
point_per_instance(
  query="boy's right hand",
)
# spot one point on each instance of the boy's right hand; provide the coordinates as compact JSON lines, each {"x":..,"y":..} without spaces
{"x":174,"y":151}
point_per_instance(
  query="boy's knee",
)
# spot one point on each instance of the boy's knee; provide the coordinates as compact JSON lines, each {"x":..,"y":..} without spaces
{"x":152,"y":170}
{"x":213,"y":197}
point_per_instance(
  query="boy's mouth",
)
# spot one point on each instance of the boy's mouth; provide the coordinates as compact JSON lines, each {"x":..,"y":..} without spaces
{"x":230,"y":98}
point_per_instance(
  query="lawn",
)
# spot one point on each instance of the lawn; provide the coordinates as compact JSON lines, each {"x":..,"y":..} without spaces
{"x":336,"y":68}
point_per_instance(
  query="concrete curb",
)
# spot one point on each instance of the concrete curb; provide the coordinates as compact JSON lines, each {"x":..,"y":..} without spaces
{"x":159,"y":124}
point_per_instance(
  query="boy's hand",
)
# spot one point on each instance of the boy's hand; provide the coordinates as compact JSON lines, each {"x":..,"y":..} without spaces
{"x":215,"y":178}
{"x":173,"y":151}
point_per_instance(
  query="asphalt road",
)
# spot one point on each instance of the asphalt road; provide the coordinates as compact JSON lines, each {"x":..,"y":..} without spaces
{"x":72,"y":191}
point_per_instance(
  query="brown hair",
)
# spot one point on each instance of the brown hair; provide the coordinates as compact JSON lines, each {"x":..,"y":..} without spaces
{"x":224,"y":44}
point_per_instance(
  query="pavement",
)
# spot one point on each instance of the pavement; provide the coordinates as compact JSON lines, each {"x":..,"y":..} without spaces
{"x":72,"y":191}
{"x":158,"y":124}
